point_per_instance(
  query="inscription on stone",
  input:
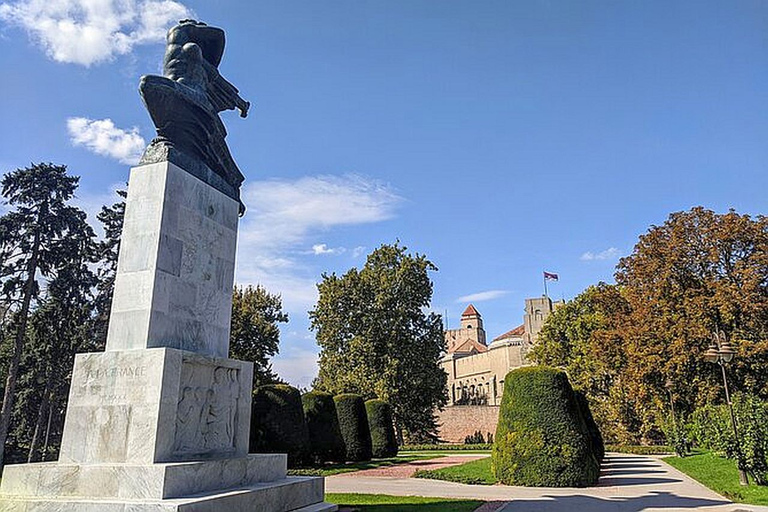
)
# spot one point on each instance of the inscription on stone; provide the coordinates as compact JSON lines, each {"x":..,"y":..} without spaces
{"x":206,"y":415}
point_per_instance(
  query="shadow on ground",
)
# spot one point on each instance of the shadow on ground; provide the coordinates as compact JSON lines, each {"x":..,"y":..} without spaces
{"x":655,"y":500}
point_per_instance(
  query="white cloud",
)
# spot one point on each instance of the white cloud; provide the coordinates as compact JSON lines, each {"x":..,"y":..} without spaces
{"x":104,"y":138}
{"x":358,"y":251}
{"x":283,"y":214}
{"x":90,"y":32}
{"x":482,"y":296}
{"x":297,"y":366}
{"x":608,"y":254}
{"x":320,"y":249}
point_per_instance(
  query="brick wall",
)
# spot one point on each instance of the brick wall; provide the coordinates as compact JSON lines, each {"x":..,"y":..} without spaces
{"x":459,"y":421}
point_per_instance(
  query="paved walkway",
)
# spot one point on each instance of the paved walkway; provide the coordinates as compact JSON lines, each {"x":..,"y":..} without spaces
{"x":629,"y":483}
{"x":409,"y":468}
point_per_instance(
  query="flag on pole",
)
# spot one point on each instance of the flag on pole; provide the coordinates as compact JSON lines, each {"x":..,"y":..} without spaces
{"x":549,"y":276}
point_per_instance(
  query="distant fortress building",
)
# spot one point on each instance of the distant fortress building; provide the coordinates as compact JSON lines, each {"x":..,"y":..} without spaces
{"x":476,"y":370}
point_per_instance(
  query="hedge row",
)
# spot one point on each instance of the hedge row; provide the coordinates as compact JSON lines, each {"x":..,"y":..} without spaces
{"x":318,"y":427}
{"x":383,"y":440}
{"x":542,"y":438}
{"x":278,"y":424}
{"x":325,"y":439}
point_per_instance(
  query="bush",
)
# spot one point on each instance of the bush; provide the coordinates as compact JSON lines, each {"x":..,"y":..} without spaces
{"x":711,"y":429}
{"x":353,"y":422}
{"x":325,"y":441}
{"x":476,"y":438}
{"x":542,"y":439}
{"x":277,"y":423}
{"x":383,"y":440}
{"x":595,"y":437}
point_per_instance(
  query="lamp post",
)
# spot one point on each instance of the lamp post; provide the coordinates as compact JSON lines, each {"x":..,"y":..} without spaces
{"x":721,"y":352}
{"x":669,"y":385}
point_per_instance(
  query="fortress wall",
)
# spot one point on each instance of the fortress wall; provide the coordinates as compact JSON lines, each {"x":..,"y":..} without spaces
{"x":458,"y":421}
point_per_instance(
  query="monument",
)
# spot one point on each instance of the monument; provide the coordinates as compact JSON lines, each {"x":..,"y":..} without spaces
{"x":160,"y":420}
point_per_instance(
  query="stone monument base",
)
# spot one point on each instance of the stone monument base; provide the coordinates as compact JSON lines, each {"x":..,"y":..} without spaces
{"x":257,"y":482}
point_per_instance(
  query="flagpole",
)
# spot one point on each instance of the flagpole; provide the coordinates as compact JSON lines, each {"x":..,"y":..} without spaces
{"x":545,"y":283}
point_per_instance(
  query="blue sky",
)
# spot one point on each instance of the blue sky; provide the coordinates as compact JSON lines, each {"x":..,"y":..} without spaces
{"x":498,"y":138}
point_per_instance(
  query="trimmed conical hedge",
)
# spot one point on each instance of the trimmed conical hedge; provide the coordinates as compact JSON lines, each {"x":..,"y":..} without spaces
{"x":383,"y":440}
{"x":325,"y":441}
{"x":541,"y":438}
{"x":353,"y":422}
{"x":595,"y":437}
{"x":277,"y":423}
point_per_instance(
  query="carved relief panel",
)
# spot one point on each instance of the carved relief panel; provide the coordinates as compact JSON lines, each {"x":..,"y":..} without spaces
{"x":206,"y":414}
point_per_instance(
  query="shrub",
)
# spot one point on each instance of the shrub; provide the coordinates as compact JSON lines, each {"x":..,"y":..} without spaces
{"x":476,"y":438}
{"x":325,"y":441}
{"x":541,"y":438}
{"x":711,"y":428}
{"x":277,"y":423}
{"x":595,"y":437}
{"x":353,"y":422}
{"x":383,"y":440}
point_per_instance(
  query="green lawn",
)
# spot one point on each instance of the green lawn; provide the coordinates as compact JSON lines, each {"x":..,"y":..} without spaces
{"x":474,"y":472}
{"x":383,"y":503}
{"x":720,"y":475}
{"x":335,"y":469}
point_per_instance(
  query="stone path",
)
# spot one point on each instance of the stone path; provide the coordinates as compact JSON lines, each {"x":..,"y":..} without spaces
{"x":629,"y":483}
{"x":408,"y":469}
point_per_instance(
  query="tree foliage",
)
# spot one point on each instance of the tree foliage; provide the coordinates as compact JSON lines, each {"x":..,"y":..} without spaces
{"x":255,"y":334}
{"x":111,"y":218}
{"x":621,"y":344}
{"x":41,"y":235}
{"x":376,"y":339}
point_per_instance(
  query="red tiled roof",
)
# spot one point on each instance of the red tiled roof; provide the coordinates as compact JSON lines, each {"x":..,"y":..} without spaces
{"x":517,"y":331}
{"x":470,"y":311}
{"x":468,"y":345}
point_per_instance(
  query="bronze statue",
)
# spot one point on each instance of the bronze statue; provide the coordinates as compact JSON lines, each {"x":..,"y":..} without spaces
{"x":184,"y":105}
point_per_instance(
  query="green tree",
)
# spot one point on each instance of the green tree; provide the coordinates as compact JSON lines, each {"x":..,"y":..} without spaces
{"x":377,"y":341}
{"x":255,"y":335}
{"x":111,"y":218}
{"x":34,"y":241}
{"x":621,"y":344}
{"x":61,"y":326}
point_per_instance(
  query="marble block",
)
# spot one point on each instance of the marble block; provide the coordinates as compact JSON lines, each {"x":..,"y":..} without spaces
{"x":140,"y":481}
{"x":156,"y":405}
{"x":290,"y":494}
{"x":175,"y":269}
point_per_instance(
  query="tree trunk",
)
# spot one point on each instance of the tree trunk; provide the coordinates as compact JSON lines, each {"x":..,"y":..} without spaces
{"x":13,"y":369}
{"x":47,"y":434}
{"x":41,"y":416}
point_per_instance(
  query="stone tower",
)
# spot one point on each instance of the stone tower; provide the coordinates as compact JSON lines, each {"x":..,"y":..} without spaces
{"x":470,"y":335}
{"x":537,"y":310}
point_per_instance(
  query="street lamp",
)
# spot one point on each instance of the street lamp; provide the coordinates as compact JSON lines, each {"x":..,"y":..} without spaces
{"x":721,"y":352}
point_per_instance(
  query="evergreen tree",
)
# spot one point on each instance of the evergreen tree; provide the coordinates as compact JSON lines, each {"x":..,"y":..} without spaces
{"x":111,"y":218}
{"x":34,"y":241}
{"x":377,"y":341}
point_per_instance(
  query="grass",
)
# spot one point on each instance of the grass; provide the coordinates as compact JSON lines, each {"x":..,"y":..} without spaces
{"x":477,"y":472}
{"x":335,"y":469}
{"x":384,"y":503}
{"x":720,"y":475}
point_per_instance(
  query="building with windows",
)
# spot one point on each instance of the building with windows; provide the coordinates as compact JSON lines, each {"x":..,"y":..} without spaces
{"x":476,"y":369}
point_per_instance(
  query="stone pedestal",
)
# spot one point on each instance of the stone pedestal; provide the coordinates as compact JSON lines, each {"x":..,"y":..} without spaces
{"x":160,"y":420}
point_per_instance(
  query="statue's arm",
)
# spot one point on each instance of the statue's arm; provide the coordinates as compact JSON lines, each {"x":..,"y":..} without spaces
{"x":224,"y":95}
